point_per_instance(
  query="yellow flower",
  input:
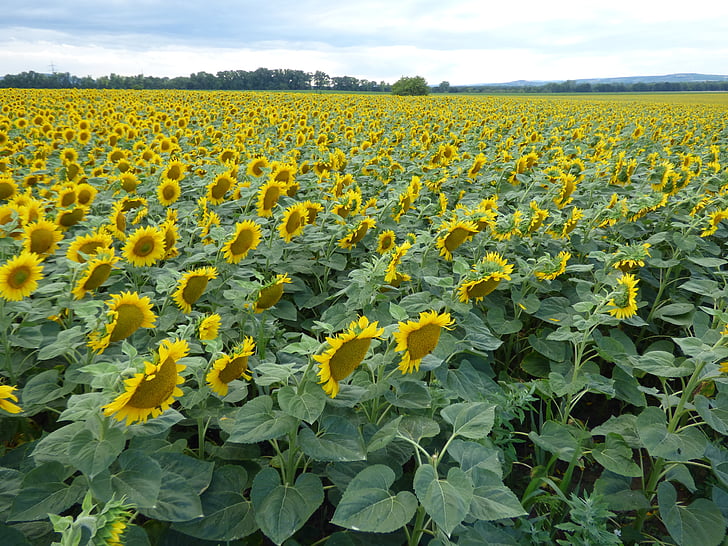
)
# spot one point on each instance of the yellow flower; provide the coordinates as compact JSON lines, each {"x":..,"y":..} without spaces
{"x":624,"y":300}
{"x":69,"y":218}
{"x":209,"y":327}
{"x":294,"y":220}
{"x":271,"y":293}
{"x":357,"y":233}
{"x":117,"y":221}
{"x":42,"y":237}
{"x":344,"y":353}
{"x":174,"y":171}
{"x":312,"y":211}
{"x":153,"y":391}
{"x":386,"y":241}
{"x":268,"y":196}
{"x":256,"y":166}
{"x":549,"y":268}
{"x":484,"y":277}
{"x":456,"y":233}
{"x":247,"y":237}
{"x":230,"y":367}
{"x":6,"y":395}
{"x":168,"y":191}
{"x":127,"y":313}
{"x":191,"y":286}
{"x":631,"y":256}
{"x":419,"y":338}
{"x":145,"y":246}
{"x":88,"y":245}
{"x":538,"y":216}
{"x":568,"y":185}
{"x":169,"y":227}
{"x":19,"y":276}
{"x":714,"y":218}
{"x":217,"y":189}
{"x":97,"y":271}
{"x":392,"y":276}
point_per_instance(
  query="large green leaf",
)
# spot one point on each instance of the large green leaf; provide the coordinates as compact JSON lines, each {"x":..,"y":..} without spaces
{"x":446,"y":501}
{"x":384,"y":435}
{"x":257,"y":421}
{"x":714,"y":412}
{"x":282,"y":509}
{"x":305,"y":402}
{"x":492,"y":500}
{"x":340,"y":440}
{"x":563,"y":440}
{"x":701,"y":523}
{"x":662,"y":364}
{"x":43,"y":491}
{"x":415,"y":427}
{"x":91,"y":455}
{"x":139,"y":479}
{"x":616,"y":456}
{"x":409,"y":394}
{"x":683,"y":446}
{"x":368,"y":506}
{"x":472,"y":420}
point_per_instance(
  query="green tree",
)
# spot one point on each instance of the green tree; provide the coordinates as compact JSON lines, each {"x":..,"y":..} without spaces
{"x":410,"y":86}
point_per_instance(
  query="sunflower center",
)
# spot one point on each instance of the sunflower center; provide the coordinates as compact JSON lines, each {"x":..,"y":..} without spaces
{"x":456,"y":237}
{"x":144,"y":246}
{"x":174,"y":172}
{"x":71,"y":218}
{"x":483,"y":288}
{"x":423,"y":341}
{"x":348,"y":357}
{"x":155,"y":388}
{"x":19,"y":276}
{"x":294,"y":222}
{"x":194,"y":288}
{"x":169,"y":192}
{"x":89,"y":248}
{"x":271,"y":198}
{"x":97,"y":277}
{"x":242,"y":242}
{"x":41,"y":241}
{"x":129,"y":319}
{"x":219,"y":190}
{"x":359,"y":233}
{"x":233,"y":369}
{"x":269,"y":296}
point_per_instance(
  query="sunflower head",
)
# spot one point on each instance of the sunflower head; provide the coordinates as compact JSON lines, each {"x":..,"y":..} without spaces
{"x":145,"y":246}
{"x":191,"y":286}
{"x":229,"y":367}
{"x":127,"y":313}
{"x":19,"y":276}
{"x":623,"y":303}
{"x":209,"y":327}
{"x":386,"y":241}
{"x":294,"y":220}
{"x":271,"y":293}
{"x":247,"y":237}
{"x":168,"y":191}
{"x":419,"y":338}
{"x":455,"y":233}
{"x":42,"y":237}
{"x":7,"y":397}
{"x":97,"y":271}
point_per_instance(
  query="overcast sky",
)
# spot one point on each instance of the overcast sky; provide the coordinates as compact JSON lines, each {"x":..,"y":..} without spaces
{"x":460,"y":41}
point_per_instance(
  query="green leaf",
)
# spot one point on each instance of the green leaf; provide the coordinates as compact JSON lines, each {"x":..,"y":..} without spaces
{"x":44,"y":492}
{"x":177,"y":501}
{"x":478,"y":334}
{"x":282,"y":509}
{"x":662,"y":364}
{"x":680,"y":314}
{"x":256,"y":422}
{"x":384,"y":435}
{"x":10,"y":483}
{"x":228,"y":514}
{"x":699,"y":524}
{"x":43,"y":388}
{"x":714,"y":412}
{"x":562,"y":440}
{"x":616,"y":456}
{"x":704,"y":287}
{"x":139,"y":479}
{"x":368,"y":506}
{"x":472,"y":420}
{"x":54,"y":447}
{"x":446,"y":501}
{"x":468,"y":383}
{"x":340,"y":440}
{"x":492,"y":500}
{"x":305,"y":402}
{"x":415,"y":427}
{"x":472,"y":455}
{"x":557,"y":351}
{"x":157,"y":425}
{"x":409,"y":394}
{"x":684,"y":446}
{"x":501,"y":326}
{"x":91,"y":455}
{"x":66,"y":341}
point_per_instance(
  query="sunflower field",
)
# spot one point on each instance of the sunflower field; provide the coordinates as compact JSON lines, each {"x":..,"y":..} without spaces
{"x":249,"y":318}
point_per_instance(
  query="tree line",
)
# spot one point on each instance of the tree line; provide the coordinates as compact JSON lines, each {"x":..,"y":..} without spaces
{"x":572,"y":86}
{"x":259,"y":79}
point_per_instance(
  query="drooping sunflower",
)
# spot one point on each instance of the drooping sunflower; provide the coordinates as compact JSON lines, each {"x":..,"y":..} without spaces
{"x":171,"y":235}
{"x":174,"y":171}
{"x":84,"y":246}
{"x":168,"y":191}
{"x":145,"y":246}
{"x":127,"y":313}
{"x":19,"y":276}
{"x":294,"y":220}
{"x":68,"y":218}
{"x":229,"y":367}
{"x":478,"y":163}
{"x":357,"y":233}
{"x":484,"y":277}
{"x":392,"y":275}
{"x":624,"y":298}
{"x":209,"y":327}
{"x":97,"y":271}
{"x":85,"y":194}
{"x":312,"y":211}
{"x":151,"y":392}
{"x":419,"y":338}
{"x":538,"y":217}
{"x":456,"y":232}
{"x":344,"y":353}
{"x":7,"y":398}
{"x":191,"y":286}
{"x":218,"y":189}
{"x":247,"y":237}
{"x":630,"y":256}
{"x":505,"y":227}
{"x":268,"y":196}
{"x":386,"y":241}
{"x":117,"y":221}
{"x":42,"y":237}
{"x":568,"y":185}
{"x":256,"y":166}
{"x":548,"y":268}
{"x":271,"y":293}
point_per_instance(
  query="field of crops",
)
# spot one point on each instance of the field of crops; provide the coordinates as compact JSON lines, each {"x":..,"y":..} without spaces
{"x":255,"y":318}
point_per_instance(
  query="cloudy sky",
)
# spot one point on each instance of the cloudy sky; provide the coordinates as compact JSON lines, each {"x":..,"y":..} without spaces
{"x":460,"y":41}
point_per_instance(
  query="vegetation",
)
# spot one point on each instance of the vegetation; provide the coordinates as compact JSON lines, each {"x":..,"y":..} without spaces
{"x":415,"y":85}
{"x":245,"y":318}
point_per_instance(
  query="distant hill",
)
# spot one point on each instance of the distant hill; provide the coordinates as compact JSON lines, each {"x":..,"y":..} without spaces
{"x":670,"y":78}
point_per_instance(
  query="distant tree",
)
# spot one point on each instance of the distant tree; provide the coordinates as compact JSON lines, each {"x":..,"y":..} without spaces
{"x":410,"y":86}
{"x":444,"y":87}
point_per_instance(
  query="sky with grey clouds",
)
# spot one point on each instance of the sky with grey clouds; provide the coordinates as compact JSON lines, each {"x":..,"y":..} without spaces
{"x":461,"y":41}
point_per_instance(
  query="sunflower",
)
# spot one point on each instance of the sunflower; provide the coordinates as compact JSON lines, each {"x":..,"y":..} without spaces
{"x":386,"y":241}
{"x":538,"y":216}
{"x":419,"y":338}
{"x":85,"y":194}
{"x":229,"y":367}
{"x":255,"y":167}
{"x":171,"y":234}
{"x":68,"y":218}
{"x":392,"y":276}
{"x":8,"y":187}
{"x":344,"y":353}
{"x":357,"y":233}
{"x":97,"y":271}
{"x":506,"y":227}
{"x":127,"y":313}
{"x":294,"y":220}
{"x":312,"y":211}
{"x":630,"y":256}
{"x":145,"y":246}
{"x":404,"y":203}
{"x":174,"y":171}
{"x":624,"y":299}
{"x":42,"y":237}
{"x":153,"y":391}
{"x":117,"y":221}
{"x":191,"y":286}
{"x":478,"y":163}
{"x":456,"y":233}
{"x":129,"y":182}
{"x":271,"y":293}
{"x":19,"y":276}
{"x":84,"y":246}
{"x":568,"y":185}
{"x":168,"y":191}
{"x":67,"y":196}
{"x":247,"y":237}
{"x":485,"y":277}
{"x":268,"y":196}
{"x":7,"y":398}
{"x":209,"y":327}
{"x":548,"y":268}
{"x":217,"y":189}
